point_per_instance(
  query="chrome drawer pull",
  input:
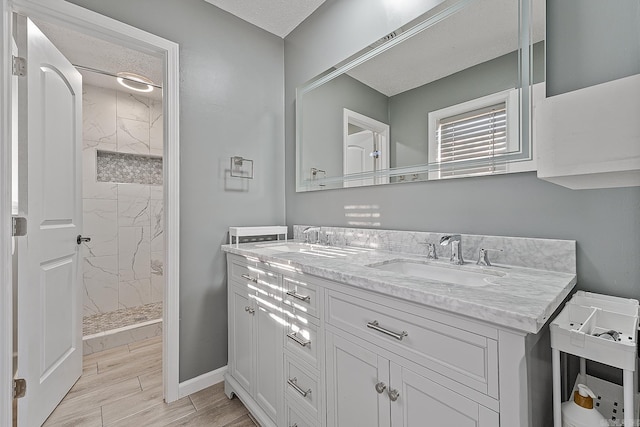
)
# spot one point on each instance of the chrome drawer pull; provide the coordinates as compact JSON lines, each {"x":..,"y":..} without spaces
{"x":376,"y":327}
{"x":296,"y":338}
{"x":293,"y":382}
{"x":381,"y":387}
{"x":299,"y":296}
{"x":253,"y":279}
{"x":250,"y":310}
{"x":394,"y":394}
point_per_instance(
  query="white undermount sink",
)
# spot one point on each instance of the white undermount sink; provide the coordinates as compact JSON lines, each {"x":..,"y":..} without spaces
{"x":467,"y":275}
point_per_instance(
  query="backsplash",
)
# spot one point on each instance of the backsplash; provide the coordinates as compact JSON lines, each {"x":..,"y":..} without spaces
{"x":123,"y":263}
{"x":543,"y":254}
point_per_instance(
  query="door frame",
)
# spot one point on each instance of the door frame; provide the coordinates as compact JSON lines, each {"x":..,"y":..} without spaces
{"x":77,"y":18}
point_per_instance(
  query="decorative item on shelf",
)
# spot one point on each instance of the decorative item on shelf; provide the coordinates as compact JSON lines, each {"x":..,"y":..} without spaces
{"x":315,"y":172}
{"x":256,"y":233}
{"x":237,"y":164}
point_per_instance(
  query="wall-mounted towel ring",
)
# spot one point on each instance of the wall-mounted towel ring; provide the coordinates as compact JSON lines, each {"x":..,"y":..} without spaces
{"x":237,"y":165}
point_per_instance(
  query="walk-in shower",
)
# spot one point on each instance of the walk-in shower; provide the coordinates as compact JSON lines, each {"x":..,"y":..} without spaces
{"x":123,"y":215}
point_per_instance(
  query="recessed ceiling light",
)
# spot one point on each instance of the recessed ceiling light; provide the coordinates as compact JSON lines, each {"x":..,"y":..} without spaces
{"x":135,"y":82}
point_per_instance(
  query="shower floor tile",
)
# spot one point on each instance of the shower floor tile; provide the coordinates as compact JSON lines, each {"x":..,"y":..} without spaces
{"x":102,"y":322}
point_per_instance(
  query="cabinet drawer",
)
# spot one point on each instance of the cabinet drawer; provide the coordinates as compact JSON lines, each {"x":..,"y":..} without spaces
{"x":465,"y":357}
{"x":302,"y":387}
{"x":295,"y":419}
{"x":253,"y":275}
{"x":302,"y":296}
{"x":304,"y":340}
{"x":243,"y":270}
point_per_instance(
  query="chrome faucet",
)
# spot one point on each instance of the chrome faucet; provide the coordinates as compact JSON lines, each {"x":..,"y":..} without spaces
{"x":309,"y":230}
{"x":456,"y":247}
{"x":483,"y":256}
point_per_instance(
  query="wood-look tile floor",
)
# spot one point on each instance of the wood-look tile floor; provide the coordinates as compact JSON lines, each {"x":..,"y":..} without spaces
{"x":123,"y":387}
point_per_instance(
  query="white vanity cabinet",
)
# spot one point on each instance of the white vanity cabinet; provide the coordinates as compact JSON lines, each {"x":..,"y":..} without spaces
{"x":372,"y":351}
{"x":365,"y":388}
{"x":255,"y":337}
{"x":318,"y":353}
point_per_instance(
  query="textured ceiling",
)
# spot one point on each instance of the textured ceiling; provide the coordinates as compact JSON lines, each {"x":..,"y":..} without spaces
{"x":276,"y":16}
{"x":87,"y":51}
{"x":481,"y":31}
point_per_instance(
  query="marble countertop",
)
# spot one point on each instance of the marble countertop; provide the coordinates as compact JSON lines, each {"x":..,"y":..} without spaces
{"x":521,"y":299}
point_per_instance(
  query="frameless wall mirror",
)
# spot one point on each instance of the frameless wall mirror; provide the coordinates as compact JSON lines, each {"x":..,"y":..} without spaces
{"x":446,"y":96}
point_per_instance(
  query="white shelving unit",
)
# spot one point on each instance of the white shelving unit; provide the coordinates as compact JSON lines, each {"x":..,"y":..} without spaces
{"x":581,"y":329}
{"x":269,"y":230}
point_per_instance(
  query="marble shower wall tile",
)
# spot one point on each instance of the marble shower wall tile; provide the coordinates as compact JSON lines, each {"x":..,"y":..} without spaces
{"x":156,"y":208}
{"x":101,"y":244}
{"x":133,"y":136}
{"x":134,"y":293}
{"x":100,"y":217}
{"x":133,"y":107}
{"x":544,"y":254}
{"x":156,"y":122}
{"x":98,"y":114}
{"x":100,"y":277}
{"x":133,"y":205}
{"x":157,"y":276}
{"x":157,"y":192}
{"x":134,"y":256}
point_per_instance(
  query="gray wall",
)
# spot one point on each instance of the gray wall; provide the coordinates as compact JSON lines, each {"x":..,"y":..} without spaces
{"x":605,"y":223}
{"x":323,"y":116}
{"x":594,"y":41}
{"x":231,"y":95}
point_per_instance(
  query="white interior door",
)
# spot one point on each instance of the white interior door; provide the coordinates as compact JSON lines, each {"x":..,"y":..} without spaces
{"x":366,"y":150}
{"x":358,"y":157}
{"x":49,"y":292}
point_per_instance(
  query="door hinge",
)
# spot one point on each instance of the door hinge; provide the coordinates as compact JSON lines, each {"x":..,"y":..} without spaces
{"x":19,"y":66}
{"x":19,"y":388}
{"x":18,"y":226}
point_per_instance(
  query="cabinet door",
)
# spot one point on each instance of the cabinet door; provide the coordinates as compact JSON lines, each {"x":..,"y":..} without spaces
{"x":424,"y":403}
{"x":241,"y":334}
{"x":268,"y":345}
{"x":352,"y":375}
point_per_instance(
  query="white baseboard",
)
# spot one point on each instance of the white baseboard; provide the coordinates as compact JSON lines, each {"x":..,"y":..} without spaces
{"x":201,"y":382}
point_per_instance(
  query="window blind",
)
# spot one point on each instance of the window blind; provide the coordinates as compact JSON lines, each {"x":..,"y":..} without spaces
{"x":473,"y":135}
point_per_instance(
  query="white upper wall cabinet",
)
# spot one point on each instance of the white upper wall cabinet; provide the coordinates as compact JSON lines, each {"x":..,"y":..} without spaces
{"x":590,"y":138}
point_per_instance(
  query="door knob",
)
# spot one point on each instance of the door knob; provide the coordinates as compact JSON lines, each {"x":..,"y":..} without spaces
{"x":381,"y":387}
{"x":394,"y":394}
{"x":81,"y":239}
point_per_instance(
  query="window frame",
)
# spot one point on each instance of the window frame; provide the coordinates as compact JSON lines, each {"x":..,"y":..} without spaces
{"x":509,"y":97}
